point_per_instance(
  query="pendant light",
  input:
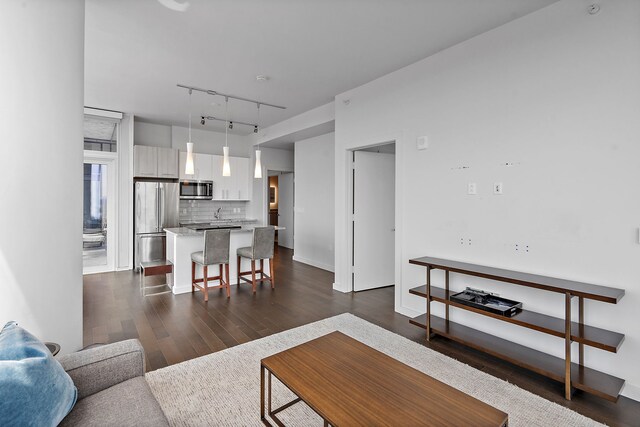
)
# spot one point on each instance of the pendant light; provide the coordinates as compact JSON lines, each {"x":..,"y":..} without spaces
{"x":226,"y":169}
{"x":188,"y":167}
{"x":258,"y":170}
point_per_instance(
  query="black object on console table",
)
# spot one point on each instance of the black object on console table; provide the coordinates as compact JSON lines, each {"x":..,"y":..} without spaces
{"x":574,"y":375}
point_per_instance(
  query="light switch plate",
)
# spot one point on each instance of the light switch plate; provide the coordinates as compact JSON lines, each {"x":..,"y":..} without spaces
{"x":471,"y":188}
{"x":497,"y":188}
{"x":422,"y":143}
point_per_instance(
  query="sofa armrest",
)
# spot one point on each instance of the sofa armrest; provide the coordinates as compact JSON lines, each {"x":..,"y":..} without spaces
{"x":99,"y":368}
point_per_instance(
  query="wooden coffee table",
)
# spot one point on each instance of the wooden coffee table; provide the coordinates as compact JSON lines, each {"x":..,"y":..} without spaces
{"x":349,"y":383}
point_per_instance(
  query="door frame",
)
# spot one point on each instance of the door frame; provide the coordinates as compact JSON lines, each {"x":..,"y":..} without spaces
{"x":352,"y":221}
{"x":111,"y":161}
{"x":265,"y":205}
{"x":395,"y":139}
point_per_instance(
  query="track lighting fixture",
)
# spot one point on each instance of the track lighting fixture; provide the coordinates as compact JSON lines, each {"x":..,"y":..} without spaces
{"x":188,"y":167}
{"x":257,"y":173}
{"x":226,"y":168}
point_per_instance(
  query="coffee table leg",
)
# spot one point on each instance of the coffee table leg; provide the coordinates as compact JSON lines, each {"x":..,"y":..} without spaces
{"x":262,"y":373}
{"x":269,"y":373}
{"x":261,"y":392}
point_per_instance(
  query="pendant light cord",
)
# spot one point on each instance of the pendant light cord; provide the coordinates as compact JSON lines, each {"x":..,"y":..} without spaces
{"x":226,"y":127}
{"x":190,"y":114}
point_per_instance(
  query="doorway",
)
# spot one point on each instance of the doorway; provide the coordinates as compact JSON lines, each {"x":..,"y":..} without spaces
{"x":373,"y":220}
{"x":280,"y":205}
{"x":98,"y":212}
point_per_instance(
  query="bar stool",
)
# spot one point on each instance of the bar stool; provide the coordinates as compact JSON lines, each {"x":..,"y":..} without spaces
{"x":261,"y":249}
{"x":216,"y":251}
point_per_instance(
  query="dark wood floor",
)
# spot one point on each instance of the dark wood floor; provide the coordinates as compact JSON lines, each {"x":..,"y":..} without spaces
{"x":176,"y":328}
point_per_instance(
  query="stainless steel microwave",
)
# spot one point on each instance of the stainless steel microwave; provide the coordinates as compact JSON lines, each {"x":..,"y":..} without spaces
{"x":196,"y":190}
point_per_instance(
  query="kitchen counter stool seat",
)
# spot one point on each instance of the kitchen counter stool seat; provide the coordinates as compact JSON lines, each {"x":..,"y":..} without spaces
{"x":261,"y":249}
{"x":216,"y":251}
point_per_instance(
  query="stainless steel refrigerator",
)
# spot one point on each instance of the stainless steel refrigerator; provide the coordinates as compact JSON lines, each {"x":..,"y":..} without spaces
{"x":156,"y":207}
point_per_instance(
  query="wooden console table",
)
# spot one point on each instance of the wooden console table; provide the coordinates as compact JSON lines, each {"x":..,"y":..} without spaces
{"x":574,"y":375}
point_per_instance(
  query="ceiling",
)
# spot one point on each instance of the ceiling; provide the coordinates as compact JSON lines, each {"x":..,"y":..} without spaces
{"x":136,"y":51}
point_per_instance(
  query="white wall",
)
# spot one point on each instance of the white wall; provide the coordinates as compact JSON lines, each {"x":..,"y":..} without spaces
{"x":315,"y":199}
{"x":271,"y":159}
{"x":42,"y":45}
{"x":152,"y":134}
{"x":125,"y":193}
{"x":556,"y":93}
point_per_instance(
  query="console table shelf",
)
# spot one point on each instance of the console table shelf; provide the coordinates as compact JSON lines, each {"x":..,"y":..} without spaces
{"x":587,"y":335}
{"x":574,"y":375}
{"x":583,"y":378}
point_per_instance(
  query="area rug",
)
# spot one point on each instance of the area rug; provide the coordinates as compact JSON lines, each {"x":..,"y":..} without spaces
{"x":223,"y":388}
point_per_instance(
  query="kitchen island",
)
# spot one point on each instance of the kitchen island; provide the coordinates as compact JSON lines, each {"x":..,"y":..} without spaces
{"x":183,"y":241}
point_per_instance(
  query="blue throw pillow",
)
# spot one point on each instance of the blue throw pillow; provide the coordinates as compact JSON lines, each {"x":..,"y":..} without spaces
{"x":34,"y":388}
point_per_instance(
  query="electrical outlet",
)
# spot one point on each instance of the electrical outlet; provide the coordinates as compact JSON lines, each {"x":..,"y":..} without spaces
{"x":497,"y":188}
{"x":472,"y":188}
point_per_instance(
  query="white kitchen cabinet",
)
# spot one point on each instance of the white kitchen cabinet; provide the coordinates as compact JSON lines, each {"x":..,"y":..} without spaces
{"x":167,"y":163}
{"x":234,"y":187}
{"x":145,"y":161}
{"x":242,"y":168}
{"x":220,"y":183}
{"x":202,"y":167}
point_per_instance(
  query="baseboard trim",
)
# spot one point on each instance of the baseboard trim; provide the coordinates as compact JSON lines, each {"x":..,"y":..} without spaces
{"x":338,"y":287}
{"x":314,"y":263}
{"x":409,"y":312}
{"x":631,"y":391}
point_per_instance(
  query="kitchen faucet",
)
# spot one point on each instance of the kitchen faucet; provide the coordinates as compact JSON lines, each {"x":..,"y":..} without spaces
{"x":216,"y":214}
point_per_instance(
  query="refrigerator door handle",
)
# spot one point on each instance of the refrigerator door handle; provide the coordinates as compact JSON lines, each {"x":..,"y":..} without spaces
{"x":162,"y":207}
{"x":158,"y":208}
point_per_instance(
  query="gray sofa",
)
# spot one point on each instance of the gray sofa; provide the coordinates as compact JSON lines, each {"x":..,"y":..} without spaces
{"x":112,"y":390}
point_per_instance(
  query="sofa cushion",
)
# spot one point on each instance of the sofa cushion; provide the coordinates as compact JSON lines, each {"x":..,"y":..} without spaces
{"x":34,"y":388}
{"x":129,"y":403}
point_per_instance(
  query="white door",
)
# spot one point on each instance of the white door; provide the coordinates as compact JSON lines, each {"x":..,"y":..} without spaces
{"x":374,"y":220}
{"x":99,"y":212}
{"x":285,"y":210}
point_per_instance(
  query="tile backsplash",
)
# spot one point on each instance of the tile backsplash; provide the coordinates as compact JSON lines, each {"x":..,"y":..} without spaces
{"x":203,"y":210}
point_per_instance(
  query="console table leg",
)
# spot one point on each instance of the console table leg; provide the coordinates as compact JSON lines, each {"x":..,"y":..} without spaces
{"x":581,"y":327}
{"x":567,"y":346}
{"x":446,"y":293}
{"x":428,"y":303}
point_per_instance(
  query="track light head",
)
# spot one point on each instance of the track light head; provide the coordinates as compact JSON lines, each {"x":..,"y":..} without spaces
{"x":230,"y":125}
{"x":202,"y":121}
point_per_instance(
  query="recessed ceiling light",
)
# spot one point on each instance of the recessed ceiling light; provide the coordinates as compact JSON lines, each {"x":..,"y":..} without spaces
{"x":262,"y":78}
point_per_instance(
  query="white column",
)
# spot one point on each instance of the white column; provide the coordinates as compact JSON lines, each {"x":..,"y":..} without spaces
{"x":41,"y":113}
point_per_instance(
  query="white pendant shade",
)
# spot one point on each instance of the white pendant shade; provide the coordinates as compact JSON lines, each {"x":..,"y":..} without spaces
{"x":188,"y":168}
{"x":258,"y":171}
{"x":226,"y":169}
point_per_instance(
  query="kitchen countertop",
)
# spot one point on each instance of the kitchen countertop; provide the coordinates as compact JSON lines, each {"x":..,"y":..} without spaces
{"x":220,"y":221}
{"x":184,"y":231}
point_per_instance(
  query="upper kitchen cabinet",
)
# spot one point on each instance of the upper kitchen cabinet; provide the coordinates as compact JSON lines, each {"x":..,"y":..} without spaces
{"x":155,"y":162}
{"x":145,"y":161}
{"x":234,"y":187}
{"x":241,"y":165}
{"x":167,"y":163}
{"x":202,"y":167}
